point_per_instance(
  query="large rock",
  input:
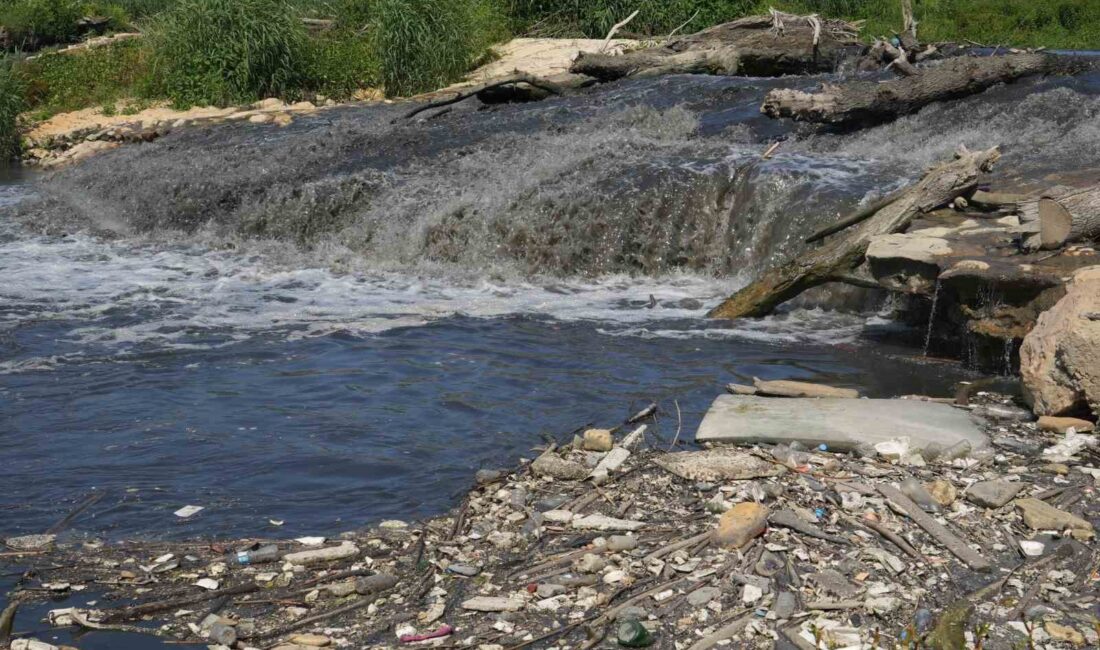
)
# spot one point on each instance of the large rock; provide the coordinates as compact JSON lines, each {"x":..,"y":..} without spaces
{"x":718,"y":464}
{"x":741,"y":523}
{"x":1040,"y":515}
{"x":1060,"y":357}
{"x":839,"y":423}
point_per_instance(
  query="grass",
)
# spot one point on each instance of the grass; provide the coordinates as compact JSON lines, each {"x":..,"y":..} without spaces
{"x":11,"y":104}
{"x":424,"y":44}
{"x":226,"y":51}
{"x":57,"y":83}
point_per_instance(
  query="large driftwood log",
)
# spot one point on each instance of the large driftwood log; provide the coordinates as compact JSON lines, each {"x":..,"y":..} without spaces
{"x":771,"y":45}
{"x":872,"y":102}
{"x":1061,"y":215}
{"x":940,"y":185}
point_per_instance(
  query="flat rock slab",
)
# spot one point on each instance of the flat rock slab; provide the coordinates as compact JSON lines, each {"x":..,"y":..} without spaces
{"x":719,"y":464}
{"x":839,"y":423}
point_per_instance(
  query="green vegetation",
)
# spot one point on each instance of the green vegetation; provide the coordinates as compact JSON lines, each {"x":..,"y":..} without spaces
{"x":237,"y":51}
{"x":425,"y":44}
{"x":227,"y":51}
{"x":11,"y":104}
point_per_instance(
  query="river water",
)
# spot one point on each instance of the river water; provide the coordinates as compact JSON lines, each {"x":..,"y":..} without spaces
{"x":310,"y":329}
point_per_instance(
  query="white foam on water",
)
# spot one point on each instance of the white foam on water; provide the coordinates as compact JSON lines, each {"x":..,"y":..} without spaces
{"x":113,"y":299}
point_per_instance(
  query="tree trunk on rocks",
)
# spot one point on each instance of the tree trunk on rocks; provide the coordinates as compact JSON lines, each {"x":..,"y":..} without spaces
{"x":1061,"y":215}
{"x":771,"y":45}
{"x":870,"y":102}
{"x":940,"y":185}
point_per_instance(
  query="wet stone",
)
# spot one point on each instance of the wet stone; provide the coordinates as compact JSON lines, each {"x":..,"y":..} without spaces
{"x":992,"y":494}
{"x":703,"y":595}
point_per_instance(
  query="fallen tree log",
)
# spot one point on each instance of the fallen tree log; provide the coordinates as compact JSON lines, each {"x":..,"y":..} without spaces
{"x":939,"y":185}
{"x":1059,"y":216}
{"x":872,"y":102}
{"x":771,"y":45}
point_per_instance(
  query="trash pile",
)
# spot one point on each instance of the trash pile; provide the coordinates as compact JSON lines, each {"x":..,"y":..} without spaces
{"x":605,"y":541}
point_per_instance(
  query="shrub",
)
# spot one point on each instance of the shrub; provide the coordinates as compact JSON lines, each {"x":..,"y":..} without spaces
{"x":11,"y":104}
{"x":341,"y":62}
{"x":56,"y":82}
{"x":593,"y":18}
{"x":34,"y":23}
{"x":227,"y":51}
{"x":425,"y":44}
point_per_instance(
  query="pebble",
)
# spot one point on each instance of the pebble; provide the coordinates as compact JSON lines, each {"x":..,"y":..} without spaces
{"x":943,"y":492}
{"x":590,"y":563}
{"x":1063,"y":425}
{"x":617,"y":543}
{"x":703,"y":595}
{"x":558,"y":516}
{"x":463,"y":570}
{"x":311,"y":640}
{"x":549,"y":590}
{"x":751,"y":593}
{"x":1032,"y":548}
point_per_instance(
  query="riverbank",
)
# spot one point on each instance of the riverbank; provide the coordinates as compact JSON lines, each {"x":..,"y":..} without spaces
{"x":607,"y":539}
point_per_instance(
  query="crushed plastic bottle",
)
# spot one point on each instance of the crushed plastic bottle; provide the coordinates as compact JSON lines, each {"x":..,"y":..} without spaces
{"x":960,"y":449}
{"x":261,"y":555}
{"x":913,"y":489}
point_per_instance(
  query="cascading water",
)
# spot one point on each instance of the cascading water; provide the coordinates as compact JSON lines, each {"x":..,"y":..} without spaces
{"x":931,"y":318}
{"x":337,"y":321}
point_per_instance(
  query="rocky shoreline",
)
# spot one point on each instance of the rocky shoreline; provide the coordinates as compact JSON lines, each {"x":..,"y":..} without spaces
{"x":606,"y":540}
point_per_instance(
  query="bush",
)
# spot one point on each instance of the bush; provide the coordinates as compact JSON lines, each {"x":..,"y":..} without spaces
{"x":341,"y":62}
{"x":227,"y":51}
{"x":56,"y":82}
{"x":34,"y":23}
{"x":422,"y":45}
{"x":11,"y":104}
{"x":593,"y":18}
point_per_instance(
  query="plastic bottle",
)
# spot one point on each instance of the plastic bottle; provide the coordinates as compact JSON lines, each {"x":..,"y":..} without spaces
{"x":264,"y":554}
{"x":960,"y":449}
{"x":913,"y":489}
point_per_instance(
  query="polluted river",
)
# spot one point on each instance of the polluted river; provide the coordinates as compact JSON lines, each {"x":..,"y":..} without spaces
{"x":312,"y":329}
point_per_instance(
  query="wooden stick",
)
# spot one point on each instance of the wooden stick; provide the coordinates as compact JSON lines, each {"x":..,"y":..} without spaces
{"x":858,"y":216}
{"x":616,"y":27}
{"x":894,"y":538}
{"x":958,"y":547}
{"x":723,"y":633}
{"x":672,"y":548}
{"x":136,"y":611}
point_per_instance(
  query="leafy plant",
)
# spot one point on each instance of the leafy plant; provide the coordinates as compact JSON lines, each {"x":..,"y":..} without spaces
{"x":33,"y":23}
{"x":56,"y":82}
{"x":227,"y":51}
{"x":425,"y":44}
{"x":11,"y":104}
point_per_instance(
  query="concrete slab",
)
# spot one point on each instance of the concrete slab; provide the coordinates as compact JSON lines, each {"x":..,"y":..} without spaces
{"x":840,"y":423}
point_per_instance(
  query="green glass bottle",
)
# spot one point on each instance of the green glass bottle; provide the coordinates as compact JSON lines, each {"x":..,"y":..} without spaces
{"x":632,"y":634}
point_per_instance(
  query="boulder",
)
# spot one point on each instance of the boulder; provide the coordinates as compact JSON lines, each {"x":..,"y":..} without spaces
{"x":1060,"y":357}
{"x":598,"y":440}
{"x":553,"y":466}
{"x":841,"y":424}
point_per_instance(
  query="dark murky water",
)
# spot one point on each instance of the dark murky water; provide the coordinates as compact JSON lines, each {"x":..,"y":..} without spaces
{"x":338,"y":322}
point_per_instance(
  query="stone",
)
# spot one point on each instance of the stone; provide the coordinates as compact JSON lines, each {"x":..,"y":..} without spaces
{"x":31,"y":644}
{"x":611,"y":462}
{"x":943,"y":492}
{"x":598,"y":440}
{"x":1006,"y":413}
{"x":1064,"y":633}
{"x":741,"y":389}
{"x":493,"y":604}
{"x":1060,"y":356}
{"x":549,"y":590}
{"x":259,"y":118}
{"x":311,"y":640}
{"x":602,"y":522}
{"x":718,"y":464}
{"x":703,"y":595}
{"x":751,"y":593}
{"x":1040,"y":515}
{"x":375,"y":584}
{"x":769,"y":564}
{"x":466,"y":570}
{"x":992,"y":494}
{"x":589,"y":563}
{"x":785,"y":605}
{"x":842,"y":424}
{"x":30,"y":542}
{"x":557,"y":516}
{"x":892,"y":562}
{"x":551,"y":465}
{"x":1063,"y":424}
{"x":785,"y":388}
{"x":1032,"y":548}
{"x":833,"y":582}
{"x":484,"y":476}
{"x":271,"y":103}
{"x":883,"y":605}
{"x":617,"y":543}
{"x":741,"y":523}
{"x":1061,"y":469}
{"x":318,"y":556}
